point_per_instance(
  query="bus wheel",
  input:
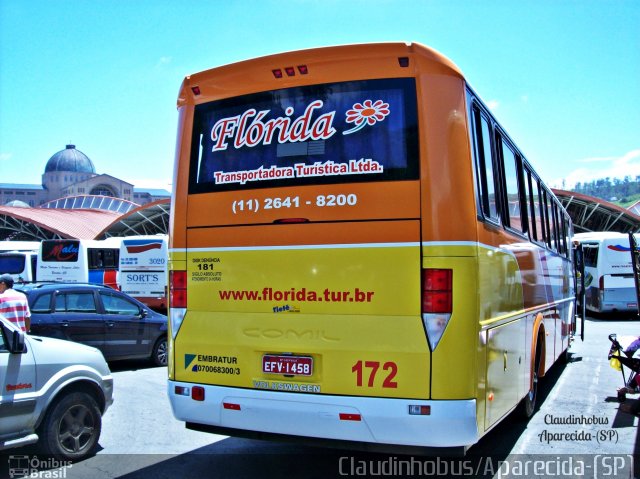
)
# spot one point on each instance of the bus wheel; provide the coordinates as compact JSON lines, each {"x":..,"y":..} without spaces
{"x":528,"y":405}
{"x":160,"y":352}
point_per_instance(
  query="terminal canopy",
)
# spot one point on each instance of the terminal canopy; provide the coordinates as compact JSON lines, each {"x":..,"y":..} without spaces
{"x":83,"y":217}
{"x":593,"y":214}
{"x":98,"y":217}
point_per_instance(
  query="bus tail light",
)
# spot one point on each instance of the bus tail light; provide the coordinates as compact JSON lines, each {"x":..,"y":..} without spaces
{"x":177,"y":299}
{"x":178,"y":289}
{"x":437,"y":302}
{"x":197,"y":393}
{"x":182,"y":391}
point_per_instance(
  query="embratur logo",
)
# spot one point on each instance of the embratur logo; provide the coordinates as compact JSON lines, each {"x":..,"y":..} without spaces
{"x":188,"y":360}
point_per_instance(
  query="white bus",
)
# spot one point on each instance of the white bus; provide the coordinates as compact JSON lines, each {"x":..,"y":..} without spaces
{"x":609,"y":283}
{"x":19,"y":259}
{"x":21,"y":265}
{"x":19,"y":245}
{"x":143,"y":269}
{"x":80,"y":261}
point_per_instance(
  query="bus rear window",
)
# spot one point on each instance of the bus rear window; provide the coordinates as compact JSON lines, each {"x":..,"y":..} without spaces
{"x":65,"y":251}
{"x":12,"y":263}
{"x":330,"y":133}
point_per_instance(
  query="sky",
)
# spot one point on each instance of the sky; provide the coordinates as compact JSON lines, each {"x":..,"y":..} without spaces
{"x":562,"y":77}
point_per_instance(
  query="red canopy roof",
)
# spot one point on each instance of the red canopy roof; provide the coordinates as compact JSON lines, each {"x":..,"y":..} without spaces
{"x":72,"y":223}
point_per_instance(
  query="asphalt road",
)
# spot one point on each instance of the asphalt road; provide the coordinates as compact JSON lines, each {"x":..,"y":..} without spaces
{"x":579,"y":430}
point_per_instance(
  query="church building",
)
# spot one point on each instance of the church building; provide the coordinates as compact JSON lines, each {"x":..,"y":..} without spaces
{"x":70,"y":172}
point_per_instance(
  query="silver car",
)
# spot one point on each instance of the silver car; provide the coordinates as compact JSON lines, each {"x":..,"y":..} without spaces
{"x":52,"y":393}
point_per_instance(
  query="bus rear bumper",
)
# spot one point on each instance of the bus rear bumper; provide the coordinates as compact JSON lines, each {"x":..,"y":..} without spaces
{"x":239,"y":412}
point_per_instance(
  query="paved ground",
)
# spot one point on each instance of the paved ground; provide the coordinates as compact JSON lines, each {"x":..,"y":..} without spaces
{"x":579,"y":421}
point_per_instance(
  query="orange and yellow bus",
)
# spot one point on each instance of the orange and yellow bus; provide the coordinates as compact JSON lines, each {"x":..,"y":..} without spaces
{"x":359,"y":252}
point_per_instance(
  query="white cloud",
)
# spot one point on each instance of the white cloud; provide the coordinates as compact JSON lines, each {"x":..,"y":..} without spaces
{"x":5,"y":156}
{"x":603,"y":167}
{"x":164,"y":61}
{"x":493,"y":105}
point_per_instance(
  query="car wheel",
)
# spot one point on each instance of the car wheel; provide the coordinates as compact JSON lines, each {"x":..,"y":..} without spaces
{"x":160,"y":352}
{"x":72,"y":427}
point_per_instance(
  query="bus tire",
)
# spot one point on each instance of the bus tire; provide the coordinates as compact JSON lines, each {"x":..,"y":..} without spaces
{"x":528,"y":405}
{"x":160,"y":353}
{"x":71,"y":427}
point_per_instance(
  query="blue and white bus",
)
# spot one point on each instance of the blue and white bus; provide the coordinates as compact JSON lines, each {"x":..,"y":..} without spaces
{"x":143,"y":269}
{"x":609,"y":283}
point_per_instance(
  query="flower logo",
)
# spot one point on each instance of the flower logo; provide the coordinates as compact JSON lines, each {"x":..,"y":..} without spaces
{"x":366,"y":113}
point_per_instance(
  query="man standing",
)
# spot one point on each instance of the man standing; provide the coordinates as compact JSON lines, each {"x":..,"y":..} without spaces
{"x":13,"y":304}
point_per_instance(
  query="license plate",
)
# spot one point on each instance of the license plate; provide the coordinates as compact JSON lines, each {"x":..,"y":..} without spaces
{"x":288,"y":365}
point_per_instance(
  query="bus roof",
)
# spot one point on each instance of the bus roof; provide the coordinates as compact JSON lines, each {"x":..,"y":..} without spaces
{"x":19,"y":245}
{"x":600,"y":235}
{"x":323,"y":65}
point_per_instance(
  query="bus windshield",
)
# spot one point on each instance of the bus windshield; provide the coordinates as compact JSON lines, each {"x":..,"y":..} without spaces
{"x":329,"y":133}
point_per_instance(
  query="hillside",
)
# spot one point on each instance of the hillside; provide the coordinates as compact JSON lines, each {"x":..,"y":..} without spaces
{"x":623,"y":192}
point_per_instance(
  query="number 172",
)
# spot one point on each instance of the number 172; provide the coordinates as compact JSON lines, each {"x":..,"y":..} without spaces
{"x":361,"y":368}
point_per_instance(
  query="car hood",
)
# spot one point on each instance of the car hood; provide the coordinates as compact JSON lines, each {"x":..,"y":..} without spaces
{"x":67,"y":353}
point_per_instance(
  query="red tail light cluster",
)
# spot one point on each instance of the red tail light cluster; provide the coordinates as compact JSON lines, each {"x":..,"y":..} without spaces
{"x":178,"y":289}
{"x":437,"y":290}
{"x":290,"y":71}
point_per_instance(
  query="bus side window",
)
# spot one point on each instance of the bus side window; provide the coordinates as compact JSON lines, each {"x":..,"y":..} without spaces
{"x":512,"y":188}
{"x":591,"y":255}
{"x":559,"y":229}
{"x":94,"y":257}
{"x":484,"y":166}
{"x":100,"y":258}
{"x":110,"y":258}
{"x":530,"y":204}
{"x":539,"y":211}
{"x":567,"y":235}
{"x":553,"y":230}
{"x":547,"y":221}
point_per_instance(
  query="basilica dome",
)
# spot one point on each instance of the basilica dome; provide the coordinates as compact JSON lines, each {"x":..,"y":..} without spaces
{"x":70,"y":160}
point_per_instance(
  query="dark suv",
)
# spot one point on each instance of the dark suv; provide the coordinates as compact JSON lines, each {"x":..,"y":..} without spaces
{"x":118,"y":325}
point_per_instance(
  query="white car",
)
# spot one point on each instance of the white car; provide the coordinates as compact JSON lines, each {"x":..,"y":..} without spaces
{"x":52,"y":393}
